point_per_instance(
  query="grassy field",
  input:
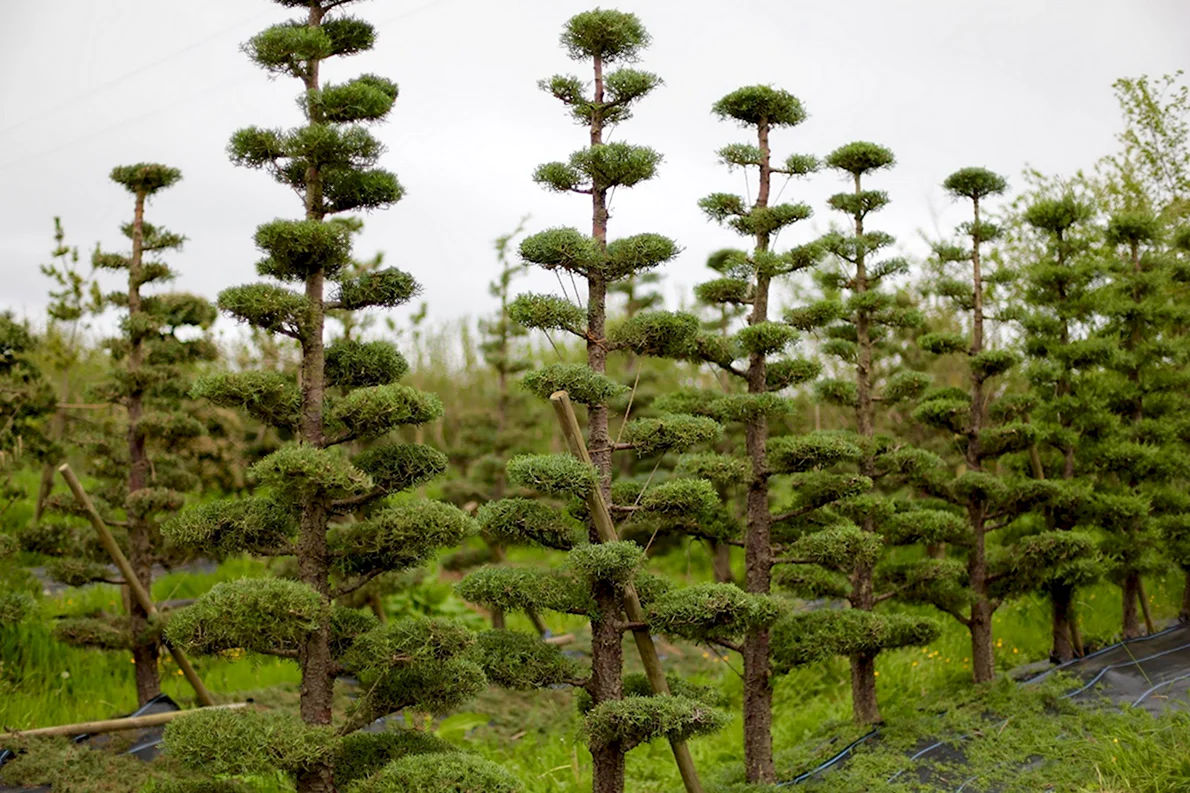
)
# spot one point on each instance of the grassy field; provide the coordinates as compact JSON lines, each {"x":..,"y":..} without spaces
{"x":924,"y":692}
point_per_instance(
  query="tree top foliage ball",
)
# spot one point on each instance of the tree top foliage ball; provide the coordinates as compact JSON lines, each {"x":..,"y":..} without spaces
{"x":605,"y":34}
{"x":975,"y":183}
{"x":1132,"y":227}
{"x":148,"y":177}
{"x":761,"y":104}
{"x":860,"y":157}
{"x":1056,"y":215}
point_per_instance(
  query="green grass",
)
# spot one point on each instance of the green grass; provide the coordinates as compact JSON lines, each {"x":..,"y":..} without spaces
{"x":538,"y":736}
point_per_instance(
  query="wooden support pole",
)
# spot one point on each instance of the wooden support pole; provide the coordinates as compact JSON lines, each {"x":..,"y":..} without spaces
{"x":632,"y":607}
{"x":135,"y":587}
{"x":106,"y":725}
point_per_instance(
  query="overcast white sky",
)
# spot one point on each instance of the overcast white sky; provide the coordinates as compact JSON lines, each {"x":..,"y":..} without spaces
{"x":88,"y":84}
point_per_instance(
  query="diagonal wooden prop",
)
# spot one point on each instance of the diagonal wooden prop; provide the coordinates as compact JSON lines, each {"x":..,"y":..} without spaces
{"x":607,"y":533}
{"x":107,"y":725}
{"x":134,"y":585}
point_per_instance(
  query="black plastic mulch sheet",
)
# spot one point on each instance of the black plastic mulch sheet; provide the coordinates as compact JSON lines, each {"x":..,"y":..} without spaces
{"x":1151,"y":672}
{"x":146,"y":743}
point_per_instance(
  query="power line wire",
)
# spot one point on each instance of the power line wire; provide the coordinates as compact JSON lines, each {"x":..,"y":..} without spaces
{"x":116,"y":81}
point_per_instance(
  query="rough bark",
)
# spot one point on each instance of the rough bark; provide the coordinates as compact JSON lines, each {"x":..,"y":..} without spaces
{"x":1131,"y":619}
{"x":140,"y":540}
{"x":863,"y":688}
{"x":758,"y":548}
{"x":314,"y":654}
{"x":1184,"y":613}
{"x":864,"y":707}
{"x":606,"y":684}
{"x":1061,"y":603}
{"x":721,"y":563}
{"x":982,"y":666}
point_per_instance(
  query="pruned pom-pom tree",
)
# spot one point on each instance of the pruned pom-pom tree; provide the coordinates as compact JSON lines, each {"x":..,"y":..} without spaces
{"x":26,"y":402}
{"x":600,"y":38}
{"x":141,"y":459}
{"x":1143,"y":462}
{"x":860,"y":320}
{"x":1063,"y":365}
{"x":600,"y":578}
{"x":757,"y":355}
{"x":314,"y":490}
{"x":982,"y":429}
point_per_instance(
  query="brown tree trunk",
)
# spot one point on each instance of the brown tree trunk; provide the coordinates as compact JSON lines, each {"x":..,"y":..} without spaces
{"x":721,"y":562}
{"x":140,"y":541}
{"x":1150,"y":628}
{"x":863,"y":666}
{"x":498,"y":621}
{"x":1184,"y":614}
{"x":758,"y":548}
{"x":314,"y":653}
{"x":606,"y":684}
{"x":983,"y":664}
{"x":1129,"y":592}
{"x":864,"y":706}
{"x":983,"y":667}
{"x":1061,"y":599}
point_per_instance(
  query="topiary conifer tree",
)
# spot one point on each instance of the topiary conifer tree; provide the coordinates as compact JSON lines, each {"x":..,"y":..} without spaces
{"x":140,"y":459}
{"x":314,"y":489}
{"x":982,"y":430}
{"x":26,"y":400}
{"x":600,"y":580}
{"x":860,"y":319}
{"x":748,"y":282}
{"x":1143,"y":462}
{"x":1064,"y":361}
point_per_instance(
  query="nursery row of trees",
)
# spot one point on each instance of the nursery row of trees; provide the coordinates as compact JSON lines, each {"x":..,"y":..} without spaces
{"x":1011,"y":418}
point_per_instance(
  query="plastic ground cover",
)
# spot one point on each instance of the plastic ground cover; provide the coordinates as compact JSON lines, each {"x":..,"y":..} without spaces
{"x":1150,"y":672}
{"x":146,"y":743}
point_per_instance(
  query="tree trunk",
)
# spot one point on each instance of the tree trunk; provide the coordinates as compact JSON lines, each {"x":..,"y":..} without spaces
{"x":864,"y":707}
{"x":983,"y":664}
{"x":1129,"y":592}
{"x":319,"y":779}
{"x":1184,"y":614}
{"x":1061,"y":598}
{"x":606,"y":684}
{"x":1150,"y":628}
{"x":607,"y":773}
{"x":140,"y":541}
{"x":721,"y":562}
{"x":758,"y":710}
{"x":314,"y":653}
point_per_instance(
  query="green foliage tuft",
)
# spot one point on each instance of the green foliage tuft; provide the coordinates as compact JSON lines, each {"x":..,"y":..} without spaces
{"x":387,"y":288}
{"x":672,"y":432}
{"x":583,"y":385}
{"x":225,"y":528}
{"x":605,"y":34}
{"x":260,"y":614}
{"x":220,"y":741}
{"x":554,"y":474}
{"x":519,"y":521}
{"x":355,"y":364}
{"x":397,"y":537}
{"x":547,"y":312}
{"x":440,"y":773}
{"x":712,"y":611}
{"x":522,"y":661}
{"x":612,"y":562}
{"x":761,"y":104}
{"x":635,"y":720}
{"x":297,"y":249}
{"x":308,"y":473}
{"x":660,"y":334}
{"x":860,"y":157}
{"x":812,"y":636}
{"x":401,"y":466}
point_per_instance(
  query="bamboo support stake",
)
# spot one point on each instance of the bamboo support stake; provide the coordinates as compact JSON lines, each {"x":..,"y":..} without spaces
{"x":607,"y":533}
{"x":136,"y":588}
{"x":107,"y":725}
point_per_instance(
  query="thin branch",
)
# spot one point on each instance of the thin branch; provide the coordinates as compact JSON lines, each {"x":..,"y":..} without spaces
{"x":345,"y":504}
{"x":348,"y":588}
{"x":628,"y":410}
